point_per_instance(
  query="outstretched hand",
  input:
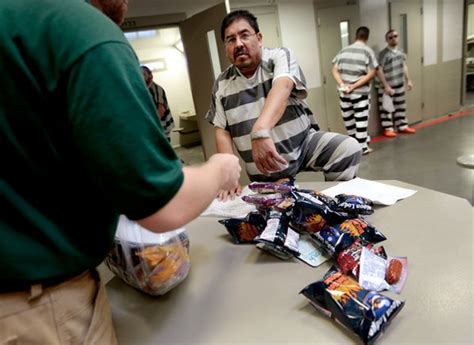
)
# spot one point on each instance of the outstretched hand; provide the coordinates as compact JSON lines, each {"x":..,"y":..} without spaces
{"x":266,"y":157}
{"x":224,"y":195}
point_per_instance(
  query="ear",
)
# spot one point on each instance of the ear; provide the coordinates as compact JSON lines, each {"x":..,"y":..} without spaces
{"x":260,"y":39}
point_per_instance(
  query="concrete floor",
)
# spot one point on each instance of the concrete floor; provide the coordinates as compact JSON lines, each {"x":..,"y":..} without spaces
{"x":427,"y":159}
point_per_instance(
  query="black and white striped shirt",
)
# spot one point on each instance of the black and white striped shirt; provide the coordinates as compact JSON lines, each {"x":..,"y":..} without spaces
{"x":237,"y":102}
{"x":392,"y":61}
{"x":353,"y":62}
{"x":159,"y":97}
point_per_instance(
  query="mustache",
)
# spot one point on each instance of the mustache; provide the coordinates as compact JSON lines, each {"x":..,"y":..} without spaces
{"x":240,"y":50}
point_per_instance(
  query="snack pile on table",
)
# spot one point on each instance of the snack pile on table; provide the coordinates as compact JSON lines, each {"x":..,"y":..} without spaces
{"x":350,"y":291}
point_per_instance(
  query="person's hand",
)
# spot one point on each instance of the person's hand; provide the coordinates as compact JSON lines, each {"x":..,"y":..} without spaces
{"x":266,"y":157}
{"x":388,"y":90}
{"x":229,"y":170}
{"x":224,"y":195}
{"x":349,"y":89}
{"x":409,"y":85}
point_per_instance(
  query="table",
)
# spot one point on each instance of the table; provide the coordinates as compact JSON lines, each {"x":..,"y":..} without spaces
{"x":239,"y":294}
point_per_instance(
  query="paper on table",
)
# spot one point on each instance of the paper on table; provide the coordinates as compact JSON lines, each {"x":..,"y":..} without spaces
{"x":236,"y":208}
{"x":379,"y":193}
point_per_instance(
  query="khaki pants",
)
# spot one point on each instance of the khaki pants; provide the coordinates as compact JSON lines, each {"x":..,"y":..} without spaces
{"x":73,"y":312}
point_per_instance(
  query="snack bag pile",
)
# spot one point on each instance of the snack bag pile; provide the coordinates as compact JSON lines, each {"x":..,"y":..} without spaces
{"x":150,"y":262}
{"x":349,"y":292}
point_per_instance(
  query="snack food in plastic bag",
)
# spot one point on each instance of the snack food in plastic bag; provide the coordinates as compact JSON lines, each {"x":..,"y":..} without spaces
{"x":354,"y":205}
{"x":359,"y":228}
{"x":151,"y":262}
{"x":366,"y":313}
{"x":245,"y":230}
{"x":278,"y":236}
{"x":264,"y":200}
{"x":311,"y":216}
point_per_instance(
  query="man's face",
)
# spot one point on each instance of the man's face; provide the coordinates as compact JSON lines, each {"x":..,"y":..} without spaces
{"x":392,"y":39}
{"x":114,"y":9}
{"x":243,"y":46}
{"x":148,"y":76}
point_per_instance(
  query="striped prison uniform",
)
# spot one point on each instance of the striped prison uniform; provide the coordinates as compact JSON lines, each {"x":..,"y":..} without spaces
{"x":392,"y":62}
{"x":159,"y":97}
{"x":353,"y":62}
{"x":237,"y":102}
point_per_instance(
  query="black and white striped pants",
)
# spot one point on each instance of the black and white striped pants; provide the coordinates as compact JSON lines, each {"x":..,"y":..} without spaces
{"x":355,"y":113}
{"x":397,"y":119}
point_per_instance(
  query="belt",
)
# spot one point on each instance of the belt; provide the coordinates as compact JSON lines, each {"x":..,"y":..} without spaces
{"x":7,"y":286}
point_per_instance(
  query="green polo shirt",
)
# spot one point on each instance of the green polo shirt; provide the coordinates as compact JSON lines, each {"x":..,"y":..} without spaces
{"x":80,"y":139}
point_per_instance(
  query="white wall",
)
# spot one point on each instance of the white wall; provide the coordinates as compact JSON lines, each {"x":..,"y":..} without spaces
{"x":452,"y":29}
{"x":430,"y":32}
{"x":374,"y":15}
{"x":298,"y":33}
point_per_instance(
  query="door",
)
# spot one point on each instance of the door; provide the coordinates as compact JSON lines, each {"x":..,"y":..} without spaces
{"x":405,"y":17}
{"x":337,"y":27}
{"x":206,"y":59}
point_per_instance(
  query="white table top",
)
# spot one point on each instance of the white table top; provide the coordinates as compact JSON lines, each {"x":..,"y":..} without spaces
{"x":239,"y":294}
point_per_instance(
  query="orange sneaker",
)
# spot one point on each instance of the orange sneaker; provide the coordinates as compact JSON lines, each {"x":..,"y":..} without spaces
{"x":408,"y":130}
{"x":389,"y":133}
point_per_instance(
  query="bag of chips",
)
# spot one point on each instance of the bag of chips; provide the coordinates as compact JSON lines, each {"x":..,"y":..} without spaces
{"x":278,"y":237}
{"x":354,"y":205}
{"x":245,"y":230}
{"x":151,"y":262}
{"x":312,"y":215}
{"x":358,"y":228}
{"x":366,"y":313}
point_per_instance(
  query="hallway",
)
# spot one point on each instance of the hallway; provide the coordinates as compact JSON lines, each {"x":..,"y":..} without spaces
{"x":426,"y":159}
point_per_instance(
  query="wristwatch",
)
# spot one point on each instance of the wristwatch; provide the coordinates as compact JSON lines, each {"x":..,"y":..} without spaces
{"x":261,"y":134}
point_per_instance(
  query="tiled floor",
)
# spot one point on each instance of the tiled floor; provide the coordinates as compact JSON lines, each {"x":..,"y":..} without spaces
{"x":427,"y":159}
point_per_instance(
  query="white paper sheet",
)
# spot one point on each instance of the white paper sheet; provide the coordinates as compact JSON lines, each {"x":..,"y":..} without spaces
{"x":379,"y":193}
{"x":236,"y":208}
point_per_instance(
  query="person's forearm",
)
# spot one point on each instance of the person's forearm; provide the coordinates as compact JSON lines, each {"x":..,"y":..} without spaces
{"x":337,"y":76}
{"x":275,"y":104}
{"x":382,"y":79}
{"x":199,"y":188}
{"x":364,"y":80}
{"x":223,"y":141}
{"x":405,"y":73}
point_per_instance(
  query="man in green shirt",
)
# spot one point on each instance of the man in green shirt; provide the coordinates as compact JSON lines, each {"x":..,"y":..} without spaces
{"x":81,"y":144}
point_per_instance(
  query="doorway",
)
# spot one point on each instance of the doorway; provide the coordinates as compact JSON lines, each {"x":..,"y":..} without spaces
{"x":405,"y":17}
{"x":161,"y":50}
{"x":337,"y":27}
{"x":469,"y":55}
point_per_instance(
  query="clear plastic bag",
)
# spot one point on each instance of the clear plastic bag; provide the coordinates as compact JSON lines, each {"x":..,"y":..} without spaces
{"x":153,"y":263}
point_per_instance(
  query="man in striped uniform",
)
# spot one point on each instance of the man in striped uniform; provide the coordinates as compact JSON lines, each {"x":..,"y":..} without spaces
{"x":159,"y":98}
{"x":353,"y":69}
{"x":258,"y":105}
{"x":393,"y":80}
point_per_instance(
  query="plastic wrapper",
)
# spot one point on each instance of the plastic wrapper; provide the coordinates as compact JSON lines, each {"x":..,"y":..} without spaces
{"x":332,"y":240}
{"x":245,"y":230}
{"x":311,"y":216}
{"x":348,"y":259}
{"x":325,"y":199}
{"x":366,"y":313}
{"x":359,"y":228}
{"x":378,"y":273}
{"x":151,"y":262}
{"x":278,"y":236}
{"x":354,"y":205}
{"x":264,"y":200}
{"x":282,"y":186}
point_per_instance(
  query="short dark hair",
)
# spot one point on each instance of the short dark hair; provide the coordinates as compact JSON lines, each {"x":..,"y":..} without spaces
{"x":389,"y":32}
{"x":362,"y":33}
{"x":239,"y":14}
